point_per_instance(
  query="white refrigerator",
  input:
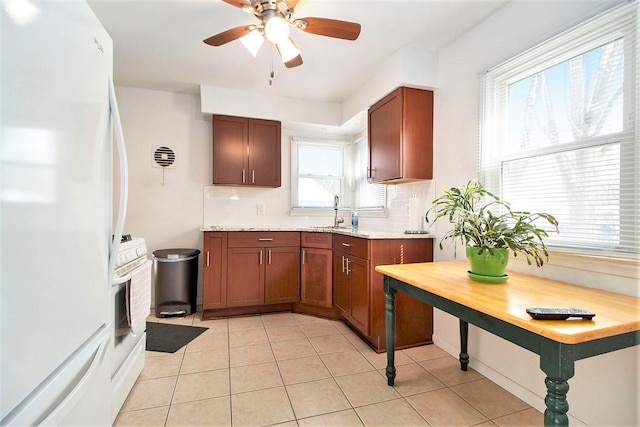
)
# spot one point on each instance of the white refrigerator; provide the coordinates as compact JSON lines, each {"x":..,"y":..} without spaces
{"x":56,"y":214}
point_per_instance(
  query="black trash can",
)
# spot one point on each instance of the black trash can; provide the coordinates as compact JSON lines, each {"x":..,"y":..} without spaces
{"x":175,"y":274}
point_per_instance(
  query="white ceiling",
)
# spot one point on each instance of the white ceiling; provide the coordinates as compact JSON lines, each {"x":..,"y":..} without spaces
{"x":158,"y":43}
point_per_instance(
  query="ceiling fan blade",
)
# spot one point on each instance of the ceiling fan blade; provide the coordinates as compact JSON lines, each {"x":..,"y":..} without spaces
{"x":227,"y":36}
{"x":237,"y":3}
{"x":294,"y":62}
{"x":329,"y":28}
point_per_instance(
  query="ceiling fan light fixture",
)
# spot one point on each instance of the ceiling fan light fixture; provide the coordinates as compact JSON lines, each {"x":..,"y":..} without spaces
{"x":253,"y":41}
{"x":287,"y":50}
{"x":276,"y":29}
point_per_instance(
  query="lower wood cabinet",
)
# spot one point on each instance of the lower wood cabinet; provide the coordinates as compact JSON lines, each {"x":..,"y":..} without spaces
{"x":263,"y":268}
{"x":359,"y":293}
{"x":329,"y":275}
{"x":214,"y":283}
{"x":282,"y":275}
{"x":351,"y":289}
{"x":316,"y":273}
{"x":245,"y":277}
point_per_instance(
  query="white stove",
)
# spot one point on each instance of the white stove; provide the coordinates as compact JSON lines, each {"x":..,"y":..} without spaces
{"x":132,"y":252}
{"x":131,"y":304}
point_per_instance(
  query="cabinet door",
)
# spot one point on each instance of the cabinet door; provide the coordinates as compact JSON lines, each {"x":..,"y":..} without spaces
{"x":357,"y":270}
{"x":230,"y":139}
{"x":245,"y":282}
{"x":385,"y":138}
{"x":264,"y":153}
{"x":282,"y":275}
{"x":340,"y":284}
{"x":316,"y":277}
{"x":214,"y":281}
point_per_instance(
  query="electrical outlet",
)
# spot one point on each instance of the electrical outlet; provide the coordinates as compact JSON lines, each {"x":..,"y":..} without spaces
{"x":260,"y":209}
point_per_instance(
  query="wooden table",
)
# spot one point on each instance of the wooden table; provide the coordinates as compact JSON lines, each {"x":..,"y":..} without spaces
{"x":501,"y":310}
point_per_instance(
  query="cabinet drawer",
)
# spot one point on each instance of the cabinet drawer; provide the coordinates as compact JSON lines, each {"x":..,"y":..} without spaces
{"x":351,"y":245}
{"x":316,"y":240}
{"x":262,"y":239}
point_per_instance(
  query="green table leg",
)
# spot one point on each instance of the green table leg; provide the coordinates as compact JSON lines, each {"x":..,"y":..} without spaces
{"x":557,"y":361}
{"x":390,"y":330}
{"x":464,"y":339}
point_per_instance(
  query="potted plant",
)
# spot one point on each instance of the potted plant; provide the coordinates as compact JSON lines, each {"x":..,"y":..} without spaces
{"x":490,"y":230}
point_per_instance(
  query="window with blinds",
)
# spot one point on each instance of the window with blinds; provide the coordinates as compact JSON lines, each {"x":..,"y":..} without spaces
{"x":366,"y":196}
{"x":559,"y":134}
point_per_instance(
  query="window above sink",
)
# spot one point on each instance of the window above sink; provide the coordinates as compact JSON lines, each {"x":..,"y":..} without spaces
{"x":321,"y":169}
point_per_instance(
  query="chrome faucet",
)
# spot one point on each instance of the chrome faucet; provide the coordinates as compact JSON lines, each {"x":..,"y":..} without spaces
{"x":336,"y":221}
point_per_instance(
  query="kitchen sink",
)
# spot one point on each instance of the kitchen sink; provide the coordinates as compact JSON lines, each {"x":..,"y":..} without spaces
{"x":329,"y":227}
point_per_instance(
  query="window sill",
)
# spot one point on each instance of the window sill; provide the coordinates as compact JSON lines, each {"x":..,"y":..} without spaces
{"x":329,"y":212}
{"x":623,"y":267}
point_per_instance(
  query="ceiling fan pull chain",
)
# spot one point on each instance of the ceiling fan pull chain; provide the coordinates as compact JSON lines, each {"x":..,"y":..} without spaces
{"x":271,"y":74}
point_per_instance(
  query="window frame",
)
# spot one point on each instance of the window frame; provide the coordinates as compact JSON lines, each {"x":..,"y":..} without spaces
{"x":336,"y":143}
{"x":576,"y":41}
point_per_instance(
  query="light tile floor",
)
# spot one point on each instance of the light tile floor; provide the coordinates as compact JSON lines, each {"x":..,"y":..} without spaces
{"x":294,"y":370}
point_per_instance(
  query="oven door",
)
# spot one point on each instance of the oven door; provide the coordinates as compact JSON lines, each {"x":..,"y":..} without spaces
{"x":127,"y":292}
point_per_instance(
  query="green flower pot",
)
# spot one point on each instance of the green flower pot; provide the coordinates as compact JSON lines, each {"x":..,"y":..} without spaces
{"x":487,"y":264}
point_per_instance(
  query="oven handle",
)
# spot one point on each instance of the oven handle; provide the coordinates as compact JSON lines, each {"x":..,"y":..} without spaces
{"x":120,"y":280}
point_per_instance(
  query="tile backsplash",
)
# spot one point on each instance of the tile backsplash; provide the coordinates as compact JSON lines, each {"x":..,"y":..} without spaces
{"x":271,"y":207}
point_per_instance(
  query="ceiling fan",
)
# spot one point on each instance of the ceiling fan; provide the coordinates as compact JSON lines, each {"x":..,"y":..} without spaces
{"x":275,"y":17}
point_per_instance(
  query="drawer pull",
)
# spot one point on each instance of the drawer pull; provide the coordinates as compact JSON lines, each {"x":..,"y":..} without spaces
{"x":265,"y":239}
{"x":346,"y":245}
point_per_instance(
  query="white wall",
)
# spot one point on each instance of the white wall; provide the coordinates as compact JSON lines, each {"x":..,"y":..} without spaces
{"x":167,"y":215}
{"x":593,"y":399}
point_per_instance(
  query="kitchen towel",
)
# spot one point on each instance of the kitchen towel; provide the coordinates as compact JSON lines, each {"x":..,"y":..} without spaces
{"x":139,"y":292}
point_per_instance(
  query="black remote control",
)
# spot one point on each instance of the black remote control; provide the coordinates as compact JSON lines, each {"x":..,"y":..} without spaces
{"x":559,"y":313}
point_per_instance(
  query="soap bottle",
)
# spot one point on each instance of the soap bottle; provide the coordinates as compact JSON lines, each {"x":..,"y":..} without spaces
{"x":354,"y":220}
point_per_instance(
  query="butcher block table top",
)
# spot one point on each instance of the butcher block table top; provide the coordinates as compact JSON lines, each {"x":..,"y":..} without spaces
{"x":615,"y":313}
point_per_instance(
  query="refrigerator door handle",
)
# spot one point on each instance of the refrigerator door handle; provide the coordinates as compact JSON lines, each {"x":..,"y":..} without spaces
{"x":124,"y":178}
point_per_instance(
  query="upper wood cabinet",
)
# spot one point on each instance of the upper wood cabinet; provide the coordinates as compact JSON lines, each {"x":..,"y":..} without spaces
{"x":246,"y":151}
{"x":401,"y":137}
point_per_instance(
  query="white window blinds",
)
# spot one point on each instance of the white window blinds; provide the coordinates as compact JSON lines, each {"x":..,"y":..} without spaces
{"x":559,"y":134}
{"x":366,"y":196}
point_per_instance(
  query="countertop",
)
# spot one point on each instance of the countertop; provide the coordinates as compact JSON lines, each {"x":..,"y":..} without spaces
{"x":365,"y":234}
